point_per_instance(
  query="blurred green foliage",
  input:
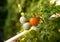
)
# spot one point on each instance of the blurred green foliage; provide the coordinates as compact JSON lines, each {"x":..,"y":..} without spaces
{"x":12,"y":24}
{"x":47,"y":30}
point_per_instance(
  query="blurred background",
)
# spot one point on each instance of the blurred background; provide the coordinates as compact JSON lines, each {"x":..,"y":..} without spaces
{"x":3,"y":15}
{"x":9,"y":19}
{"x":49,"y":24}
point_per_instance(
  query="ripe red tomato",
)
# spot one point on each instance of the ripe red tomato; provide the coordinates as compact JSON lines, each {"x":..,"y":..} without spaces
{"x":34,"y":21}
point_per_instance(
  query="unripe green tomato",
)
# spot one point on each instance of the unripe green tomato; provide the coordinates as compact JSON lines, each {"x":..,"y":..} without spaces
{"x":22,"y":20}
{"x":26,"y":26}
